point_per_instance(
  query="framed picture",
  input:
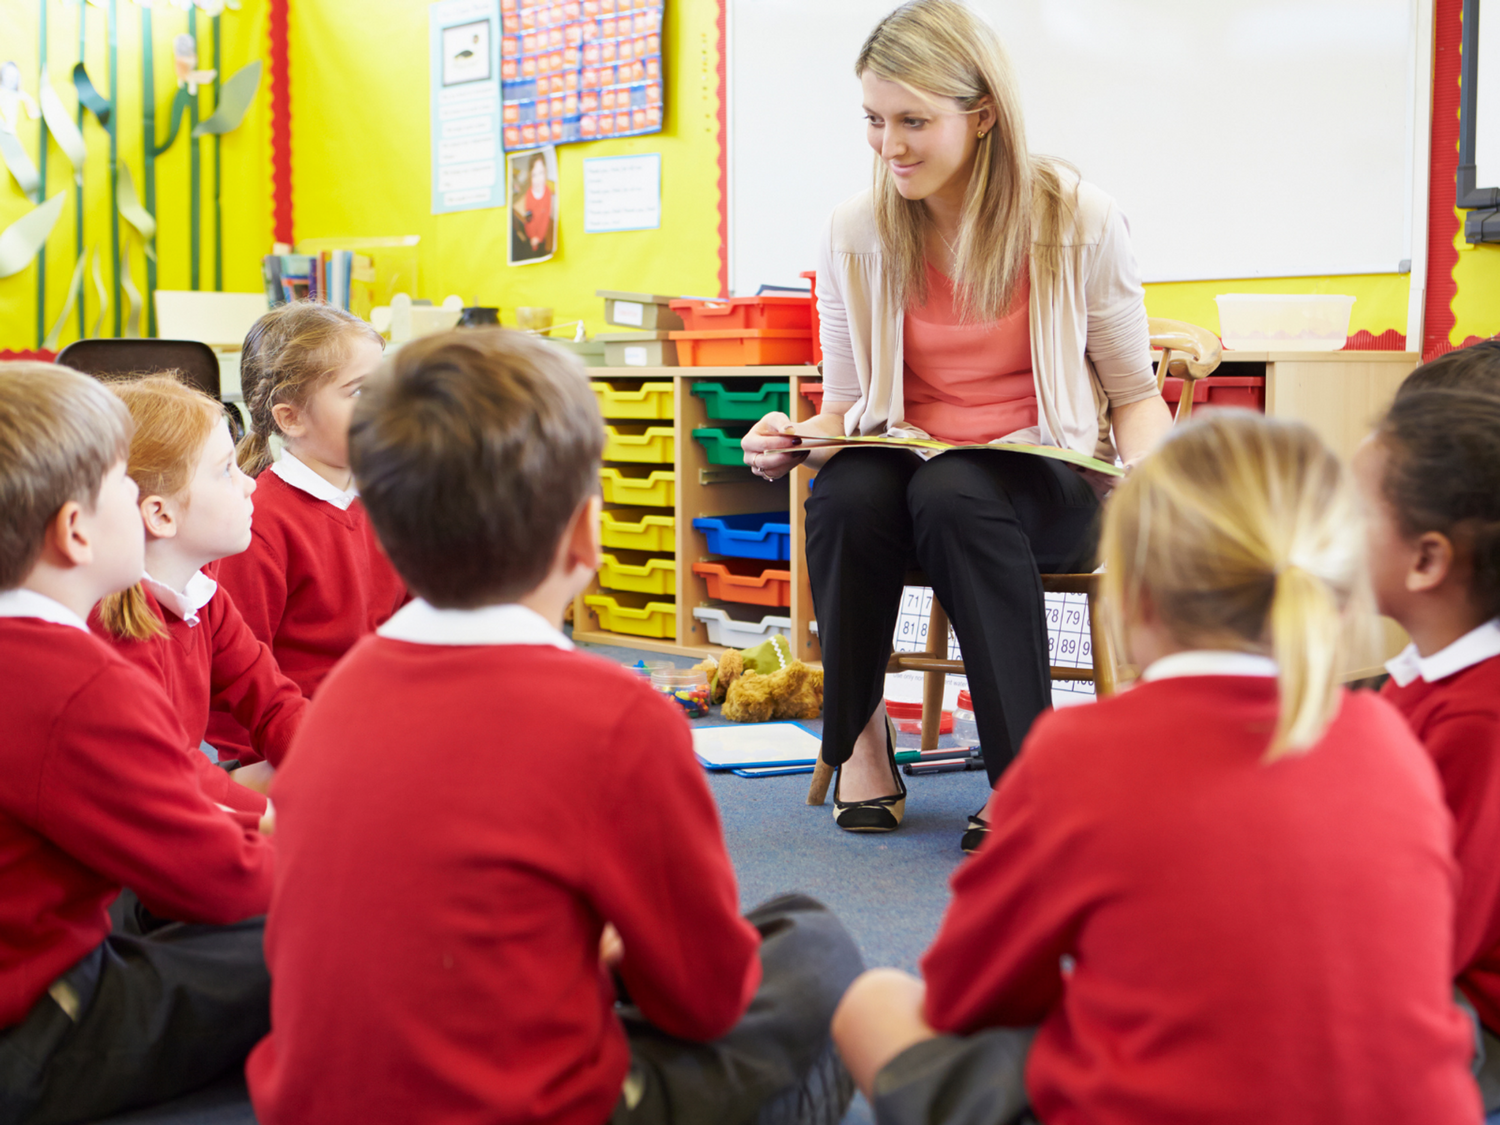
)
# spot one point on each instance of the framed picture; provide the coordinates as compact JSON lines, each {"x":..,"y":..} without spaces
{"x":466,"y":53}
{"x":532,"y":180}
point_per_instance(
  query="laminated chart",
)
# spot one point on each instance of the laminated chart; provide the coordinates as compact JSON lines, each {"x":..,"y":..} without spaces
{"x":578,"y":70}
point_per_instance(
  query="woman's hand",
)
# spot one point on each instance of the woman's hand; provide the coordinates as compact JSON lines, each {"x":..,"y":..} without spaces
{"x":769,"y":451}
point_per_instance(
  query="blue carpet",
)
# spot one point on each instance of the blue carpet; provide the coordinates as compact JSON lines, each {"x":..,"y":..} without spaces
{"x":890,"y":891}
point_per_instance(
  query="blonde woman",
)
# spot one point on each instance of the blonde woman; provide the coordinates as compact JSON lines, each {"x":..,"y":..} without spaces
{"x":977,"y":293}
{"x":1226,"y":895}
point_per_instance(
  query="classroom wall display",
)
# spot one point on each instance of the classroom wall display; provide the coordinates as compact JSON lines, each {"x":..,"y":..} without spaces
{"x":579,"y":70}
{"x":464,"y":49}
{"x":622,"y":193}
{"x":533,"y":205}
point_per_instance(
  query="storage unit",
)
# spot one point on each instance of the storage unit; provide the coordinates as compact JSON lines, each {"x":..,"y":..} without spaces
{"x":655,"y":489}
{"x":654,"y":576}
{"x":638,"y":349}
{"x":813,"y":322}
{"x":732,"y":632}
{"x":590,"y":352}
{"x":813,"y":392}
{"x":648,"y":400}
{"x":749,"y":347}
{"x":746,"y":313}
{"x":636,"y":531}
{"x":650,"y":311}
{"x":746,"y":582}
{"x":722,"y":443}
{"x":750,"y":404}
{"x":755,"y":535}
{"x":643,"y":444}
{"x":1248,"y":391}
{"x":654,"y":619}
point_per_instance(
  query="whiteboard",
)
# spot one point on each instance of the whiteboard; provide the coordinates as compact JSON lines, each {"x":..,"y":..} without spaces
{"x":1241,"y":138}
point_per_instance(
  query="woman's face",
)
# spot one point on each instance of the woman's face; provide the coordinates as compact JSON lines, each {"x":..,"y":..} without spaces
{"x":927,"y":143}
{"x":538,"y":179}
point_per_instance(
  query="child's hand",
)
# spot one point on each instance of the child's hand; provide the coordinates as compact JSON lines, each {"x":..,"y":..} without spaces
{"x":257,"y":776}
{"x":611,"y":948}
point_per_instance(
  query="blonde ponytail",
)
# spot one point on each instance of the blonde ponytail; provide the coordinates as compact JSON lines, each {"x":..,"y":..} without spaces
{"x":1305,"y":627}
{"x":126,"y":614}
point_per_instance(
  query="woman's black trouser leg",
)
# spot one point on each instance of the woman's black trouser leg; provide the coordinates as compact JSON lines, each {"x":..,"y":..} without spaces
{"x":859,"y":548}
{"x":985,"y":525}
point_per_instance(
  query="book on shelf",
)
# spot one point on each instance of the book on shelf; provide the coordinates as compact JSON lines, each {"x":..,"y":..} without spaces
{"x":1082,"y":460}
{"x":342,"y":278}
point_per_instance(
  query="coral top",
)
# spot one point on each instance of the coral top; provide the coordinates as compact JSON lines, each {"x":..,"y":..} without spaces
{"x":968,"y":382}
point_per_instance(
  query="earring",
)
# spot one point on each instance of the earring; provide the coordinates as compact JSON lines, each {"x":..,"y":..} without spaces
{"x":981,"y":134}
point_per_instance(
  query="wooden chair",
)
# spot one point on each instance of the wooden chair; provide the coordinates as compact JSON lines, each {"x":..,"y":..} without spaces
{"x":1189,"y":353}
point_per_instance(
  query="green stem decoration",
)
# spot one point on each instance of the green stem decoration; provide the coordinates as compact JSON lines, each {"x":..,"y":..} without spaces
{"x":194,"y":172}
{"x":148,"y":151}
{"x":41,"y":166}
{"x":78,"y":185}
{"x":218,"y":169}
{"x":114,"y":157}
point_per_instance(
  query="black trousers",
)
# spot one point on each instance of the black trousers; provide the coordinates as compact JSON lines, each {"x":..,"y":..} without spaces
{"x":140,"y":1020}
{"x":777,"y":1066}
{"x":983,"y":525}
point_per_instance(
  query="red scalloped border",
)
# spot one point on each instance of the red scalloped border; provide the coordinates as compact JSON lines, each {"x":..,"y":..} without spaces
{"x":723,"y":74}
{"x":41,"y":354}
{"x":281,"y":125}
{"x":1442,"y":220}
{"x":1364,"y":341}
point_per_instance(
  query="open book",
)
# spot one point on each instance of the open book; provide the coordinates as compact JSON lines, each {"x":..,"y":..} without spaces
{"x":1082,"y":460}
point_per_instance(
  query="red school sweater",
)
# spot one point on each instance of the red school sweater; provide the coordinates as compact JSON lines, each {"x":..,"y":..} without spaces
{"x":216,"y":663}
{"x":96,"y":793}
{"x":1205,"y":936}
{"x":448,"y":857}
{"x":313,"y":581}
{"x":1458,"y":719}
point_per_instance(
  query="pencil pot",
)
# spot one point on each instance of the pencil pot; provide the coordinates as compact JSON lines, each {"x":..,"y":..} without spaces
{"x":685,"y":687}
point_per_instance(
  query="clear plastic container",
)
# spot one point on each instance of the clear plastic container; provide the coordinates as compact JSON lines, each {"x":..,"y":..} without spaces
{"x":1301,"y":322}
{"x":686,"y":687}
{"x":965,"y":730}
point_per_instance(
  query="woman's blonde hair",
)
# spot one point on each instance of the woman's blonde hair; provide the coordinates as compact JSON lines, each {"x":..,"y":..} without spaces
{"x":289,"y":353}
{"x":1242,"y":532}
{"x":1016,"y":204}
{"x":172,"y":424}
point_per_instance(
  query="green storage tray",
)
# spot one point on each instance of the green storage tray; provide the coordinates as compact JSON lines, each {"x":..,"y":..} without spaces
{"x":722,"y":443}
{"x":743,"y":405}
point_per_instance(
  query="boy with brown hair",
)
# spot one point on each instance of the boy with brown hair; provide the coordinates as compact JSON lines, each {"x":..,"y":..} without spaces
{"x":560,"y":839}
{"x":97,"y":792}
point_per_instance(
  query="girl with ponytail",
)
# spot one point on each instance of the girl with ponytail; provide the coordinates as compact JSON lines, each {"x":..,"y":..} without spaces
{"x":1225,"y":894}
{"x":175,"y":623}
{"x":1430,"y":475}
{"x":314,"y":579}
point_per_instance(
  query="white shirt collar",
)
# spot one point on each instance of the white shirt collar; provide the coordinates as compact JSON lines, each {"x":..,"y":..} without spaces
{"x":198,"y":592}
{"x":508,"y":624}
{"x":1209,"y":662}
{"x":1407,"y":666}
{"x":298,"y":475}
{"x":21,"y":602}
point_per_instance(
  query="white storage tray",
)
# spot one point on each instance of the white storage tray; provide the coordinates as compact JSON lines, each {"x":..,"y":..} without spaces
{"x":734,"y":633}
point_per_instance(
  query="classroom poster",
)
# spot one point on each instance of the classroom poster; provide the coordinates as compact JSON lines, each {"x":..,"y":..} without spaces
{"x":467,"y":162}
{"x":622,"y":193}
{"x":533,"y":205}
{"x":578,"y":70}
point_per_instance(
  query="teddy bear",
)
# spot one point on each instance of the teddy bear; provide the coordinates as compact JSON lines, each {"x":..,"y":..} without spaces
{"x":764,"y":684}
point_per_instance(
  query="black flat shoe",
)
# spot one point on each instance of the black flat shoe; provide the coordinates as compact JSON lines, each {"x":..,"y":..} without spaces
{"x":974,"y":835}
{"x":878,"y":814}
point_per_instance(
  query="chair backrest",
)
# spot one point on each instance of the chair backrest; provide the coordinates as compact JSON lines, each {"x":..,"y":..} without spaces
{"x":1188,"y":352}
{"x":195,"y":361}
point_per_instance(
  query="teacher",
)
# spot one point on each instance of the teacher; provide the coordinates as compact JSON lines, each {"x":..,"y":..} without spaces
{"x":977,"y":293}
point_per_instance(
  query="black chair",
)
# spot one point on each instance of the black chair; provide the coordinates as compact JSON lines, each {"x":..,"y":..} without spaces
{"x":192,"y":360}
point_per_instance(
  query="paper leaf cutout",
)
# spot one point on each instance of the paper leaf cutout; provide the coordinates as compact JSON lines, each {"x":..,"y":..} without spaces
{"x":179,"y":105}
{"x":62,"y":127}
{"x":131,"y":209}
{"x":235,"y":96}
{"x":19,"y":163}
{"x":50,"y":343}
{"x":90,"y":96}
{"x":20,"y":241}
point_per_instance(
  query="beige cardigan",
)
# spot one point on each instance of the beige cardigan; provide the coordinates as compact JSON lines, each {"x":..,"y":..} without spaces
{"x":1090,"y":346}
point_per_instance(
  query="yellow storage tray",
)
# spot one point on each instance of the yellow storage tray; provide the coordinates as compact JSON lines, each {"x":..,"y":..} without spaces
{"x":651,"y":400}
{"x":657,"y":490}
{"x":638,"y":531}
{"x":657,"y":619}
{"x":655,"y":576}
{"x":653,"y":446}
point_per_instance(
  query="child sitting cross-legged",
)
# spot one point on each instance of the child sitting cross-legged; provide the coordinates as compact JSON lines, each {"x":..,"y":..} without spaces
{"x":98,"y":791}
{"x":176,"y":624}
{"x":458,"y":969}
{"x":1226,"y":895}
{"x":1431,"y":478}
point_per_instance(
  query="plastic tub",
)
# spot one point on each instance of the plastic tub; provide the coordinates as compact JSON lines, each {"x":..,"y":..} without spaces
{"x":722,"y":443}
{"x":645,"y":444}
{"x":638,"y":349}
{"x":637,"y":531}
{"x":655,"y":576}
{"x":814,"y":323}
{"x":747,"y":583}
{"x":648,"y":400}
{"x":754,"y":535}
{"x":655,"y":490}
{"x":749,"y":406}
{"x":732,"y":632}
{"x":764,"y":347}
{"x":1308,"y":322}
{"x":740,"y":313}
{"x":1248,"y":391}
{"x":687,"y":688}
{"x":965,"y":729}
{"x":590,"y":352}
{"x":638,"y":310}
{"x":655,"y":619}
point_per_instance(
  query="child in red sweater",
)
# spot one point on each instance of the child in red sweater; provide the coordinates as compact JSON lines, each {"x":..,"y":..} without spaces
{"x":96,"y":792}
{"x":459,"y":970}
{"x":1431,"y":478}
{"x":313,"y":580}
{"x":1226,"y":895}
{"x":176,"y":624}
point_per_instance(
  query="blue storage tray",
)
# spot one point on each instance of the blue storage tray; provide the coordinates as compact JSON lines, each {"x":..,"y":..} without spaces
{"x":758,"y":535}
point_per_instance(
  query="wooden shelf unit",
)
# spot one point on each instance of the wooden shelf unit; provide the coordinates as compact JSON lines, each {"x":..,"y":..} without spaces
{"x":703,"y":489}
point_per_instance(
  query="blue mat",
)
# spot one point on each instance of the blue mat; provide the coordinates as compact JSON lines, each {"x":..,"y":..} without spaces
{"x":890,"y":891}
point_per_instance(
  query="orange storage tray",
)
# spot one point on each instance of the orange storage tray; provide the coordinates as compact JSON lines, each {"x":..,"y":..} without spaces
{"x":741,"y":313}
{"x":815,"y":324}
{"x":813,"y":392}
{"x":1248,"y":391}
{"x":746,"y":582}
{"x":755,"y":347}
